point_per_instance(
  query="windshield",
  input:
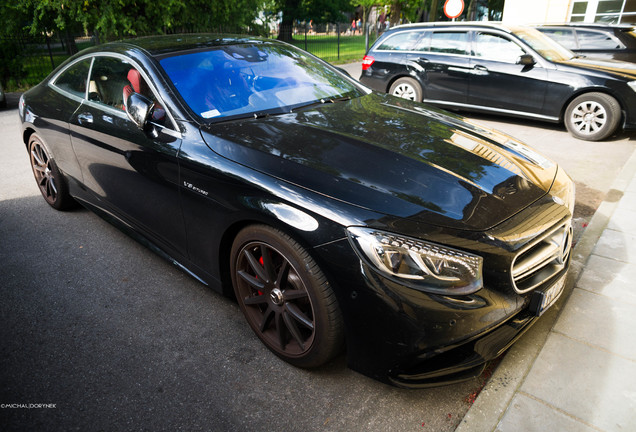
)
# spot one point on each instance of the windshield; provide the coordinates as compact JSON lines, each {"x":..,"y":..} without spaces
{"x":253,"y":79}
{"x":545,"y":46}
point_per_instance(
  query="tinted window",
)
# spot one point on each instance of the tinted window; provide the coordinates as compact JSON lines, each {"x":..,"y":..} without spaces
{"x":563,"y":36}
{"x":74,"y":78}
{"x":404,"y":41}
{"x":113,"y":79}
{"x":108,"y":79}
{"x":241,"y":80}
{"x":495,"y":47}
{"x":449,"y":42}
{"x":545,"y":46}
{"x":589,"y":39}
{"x":424,"y":44}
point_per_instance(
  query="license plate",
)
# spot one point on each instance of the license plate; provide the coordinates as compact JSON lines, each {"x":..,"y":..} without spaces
{"x":542,"y":300}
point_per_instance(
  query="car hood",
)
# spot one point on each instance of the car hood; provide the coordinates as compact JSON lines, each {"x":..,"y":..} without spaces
{"x":392,"y":156}
{"x":625,"y":69}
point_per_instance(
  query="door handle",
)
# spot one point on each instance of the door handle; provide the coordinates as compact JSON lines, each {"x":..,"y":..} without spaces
{"x":85,"y":118}
{"x":480,"y":70}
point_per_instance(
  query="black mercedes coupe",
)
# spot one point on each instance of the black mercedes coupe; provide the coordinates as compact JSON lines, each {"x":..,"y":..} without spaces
{"x":341,"y":219}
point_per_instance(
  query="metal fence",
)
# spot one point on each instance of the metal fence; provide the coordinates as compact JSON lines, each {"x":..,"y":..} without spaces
{"x":29,"y":59}
{"x":334,"y":42}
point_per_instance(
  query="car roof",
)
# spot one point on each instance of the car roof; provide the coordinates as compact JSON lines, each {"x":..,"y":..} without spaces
{"x":482,"y":24}
{"x":599,"y":26}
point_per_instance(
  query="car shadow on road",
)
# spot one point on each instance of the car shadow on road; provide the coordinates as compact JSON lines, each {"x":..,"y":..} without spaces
{"x":96,"y":323}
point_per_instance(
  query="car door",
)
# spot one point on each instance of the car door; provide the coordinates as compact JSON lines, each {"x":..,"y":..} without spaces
{"x":130,"y":173}
{"x":444,"y":63}
{"x":499,"y":82}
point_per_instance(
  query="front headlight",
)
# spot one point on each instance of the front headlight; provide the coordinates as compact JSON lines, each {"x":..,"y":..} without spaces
{"x":417,"y":263}
{"x":563,"y":189}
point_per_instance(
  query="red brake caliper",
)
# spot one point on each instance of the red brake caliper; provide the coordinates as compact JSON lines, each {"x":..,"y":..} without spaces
{"x":260,"y":260}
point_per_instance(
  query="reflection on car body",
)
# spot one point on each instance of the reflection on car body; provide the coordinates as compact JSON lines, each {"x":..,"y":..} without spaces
{"x":338,"y":217}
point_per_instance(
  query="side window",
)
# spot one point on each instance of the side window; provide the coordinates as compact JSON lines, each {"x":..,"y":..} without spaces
{"x":114,"y":79}
{"x":73,"y":79}
{"x":107,"y":82}
{"x":563,"y":36}
{"x":450,"y":42}
{"x":597,"y":40}
{"x":494,"y":47}
{"x":424,"y":44}
{"x":404,"y":41}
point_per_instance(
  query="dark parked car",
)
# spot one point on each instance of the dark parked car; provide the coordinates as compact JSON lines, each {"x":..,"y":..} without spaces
{"x":3,"y":98}
{"x":616,"y":42}
{"x":515,"y":71}
{"x":338,"y":217}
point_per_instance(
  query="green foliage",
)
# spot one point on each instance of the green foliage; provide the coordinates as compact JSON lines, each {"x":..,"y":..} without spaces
{"x":11,"y":66}
{"x":117,"y":18}
{"x":323,"y":11}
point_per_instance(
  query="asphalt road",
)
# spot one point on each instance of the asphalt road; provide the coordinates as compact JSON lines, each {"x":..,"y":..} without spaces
{"x":116,"y":338}
{"x":112,"y":337}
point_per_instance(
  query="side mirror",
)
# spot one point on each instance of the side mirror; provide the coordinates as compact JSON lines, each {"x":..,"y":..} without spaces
{"x":526,"y":60}
{"x":139,"y":108}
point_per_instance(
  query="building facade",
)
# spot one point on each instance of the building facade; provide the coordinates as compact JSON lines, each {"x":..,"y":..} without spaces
{"x":558,"y":11}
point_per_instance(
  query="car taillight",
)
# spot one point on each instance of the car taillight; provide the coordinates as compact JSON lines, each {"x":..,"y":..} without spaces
{"x":367,"y":61}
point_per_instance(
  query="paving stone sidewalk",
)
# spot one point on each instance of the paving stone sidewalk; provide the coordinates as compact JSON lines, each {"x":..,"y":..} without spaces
{"x":576,"y":369}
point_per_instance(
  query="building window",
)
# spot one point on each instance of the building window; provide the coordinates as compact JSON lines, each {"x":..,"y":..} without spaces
{"x":604,"y":11}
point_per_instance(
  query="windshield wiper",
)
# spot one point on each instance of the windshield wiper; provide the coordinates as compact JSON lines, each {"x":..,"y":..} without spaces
{"x":321,"y":102}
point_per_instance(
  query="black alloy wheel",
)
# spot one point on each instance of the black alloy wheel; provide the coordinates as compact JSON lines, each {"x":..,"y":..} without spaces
{"x":49,"y":179}
{"x":285,"y":297}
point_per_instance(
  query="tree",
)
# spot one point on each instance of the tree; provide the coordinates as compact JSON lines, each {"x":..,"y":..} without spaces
{"x":367,"y":6}
{"x":320,"y":11}
{"x":117,"y":18}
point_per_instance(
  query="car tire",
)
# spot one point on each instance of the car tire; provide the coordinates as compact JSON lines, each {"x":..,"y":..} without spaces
{"x":407,"y":88}
{"x":50,"y":180}
{"x":592,"y":116}
{"x":285,"y":297}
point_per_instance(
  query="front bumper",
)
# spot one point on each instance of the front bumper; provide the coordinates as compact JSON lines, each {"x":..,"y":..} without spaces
{"x":414,"y":339}
{"x":464,"y":361}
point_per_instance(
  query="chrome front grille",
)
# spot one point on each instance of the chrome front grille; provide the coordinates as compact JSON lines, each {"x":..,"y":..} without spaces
{"x":542,"y":259}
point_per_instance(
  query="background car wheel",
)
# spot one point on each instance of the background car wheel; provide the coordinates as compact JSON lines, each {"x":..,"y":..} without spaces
{"x":49,"y":179}
{"x":285,"y":297}
{"x":592,"y":116}
{"x":407,"y":88}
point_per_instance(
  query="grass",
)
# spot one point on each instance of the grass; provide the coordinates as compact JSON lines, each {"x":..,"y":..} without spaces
{"x":352,"y":48}
{"x":35,"y":69}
